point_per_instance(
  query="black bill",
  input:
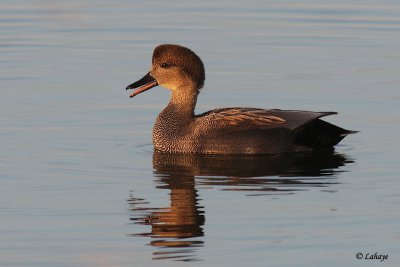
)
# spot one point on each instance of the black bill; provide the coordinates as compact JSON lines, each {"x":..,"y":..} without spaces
{"x":143,"y":84}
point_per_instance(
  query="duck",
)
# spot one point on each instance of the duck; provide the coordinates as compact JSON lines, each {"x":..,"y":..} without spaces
{"x":234,"y":130}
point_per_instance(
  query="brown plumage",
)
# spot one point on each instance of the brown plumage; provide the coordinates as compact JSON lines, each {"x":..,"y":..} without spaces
{"x":243,"y":117}
{"x":227,"y":130}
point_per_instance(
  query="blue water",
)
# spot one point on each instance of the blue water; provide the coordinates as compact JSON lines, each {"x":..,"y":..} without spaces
{"x":81,"y":186}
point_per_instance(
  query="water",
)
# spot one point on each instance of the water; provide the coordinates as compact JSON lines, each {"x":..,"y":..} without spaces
{"x":80,"y":185}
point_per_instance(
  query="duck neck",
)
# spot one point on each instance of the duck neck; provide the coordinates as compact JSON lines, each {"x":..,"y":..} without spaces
{"x":182,"y":104}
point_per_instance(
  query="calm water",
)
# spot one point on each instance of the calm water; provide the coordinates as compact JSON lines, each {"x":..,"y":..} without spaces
{"x":81,"y":186}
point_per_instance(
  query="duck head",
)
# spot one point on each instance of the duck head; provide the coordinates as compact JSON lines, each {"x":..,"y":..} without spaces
{"x":174,"y":67}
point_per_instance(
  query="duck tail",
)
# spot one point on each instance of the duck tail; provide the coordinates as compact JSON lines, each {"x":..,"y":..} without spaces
{"x":320,"y":134}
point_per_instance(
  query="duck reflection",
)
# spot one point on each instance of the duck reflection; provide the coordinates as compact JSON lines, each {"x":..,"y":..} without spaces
{"x":173,"y":228}
{"x":177,"y":229}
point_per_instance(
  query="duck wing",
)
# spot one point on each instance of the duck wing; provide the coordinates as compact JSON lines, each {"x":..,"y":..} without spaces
{"x":251,"y":118}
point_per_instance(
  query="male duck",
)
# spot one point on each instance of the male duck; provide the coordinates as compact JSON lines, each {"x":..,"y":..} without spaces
{"x":225,"y":130}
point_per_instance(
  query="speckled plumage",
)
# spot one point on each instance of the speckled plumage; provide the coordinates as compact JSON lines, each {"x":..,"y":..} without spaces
{"x":227,"y":130}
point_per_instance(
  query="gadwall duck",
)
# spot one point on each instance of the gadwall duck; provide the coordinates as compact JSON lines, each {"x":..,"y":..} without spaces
{"x":234,"y":130}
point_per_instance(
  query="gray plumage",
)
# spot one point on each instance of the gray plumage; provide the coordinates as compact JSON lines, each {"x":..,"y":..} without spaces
{"x":227,"y":130}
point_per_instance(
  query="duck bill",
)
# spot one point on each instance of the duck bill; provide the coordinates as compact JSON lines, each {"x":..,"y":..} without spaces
{"x":144,"y":84}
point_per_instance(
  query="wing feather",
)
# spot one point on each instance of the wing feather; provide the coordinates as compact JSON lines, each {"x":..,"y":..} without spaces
{"x":245,"y":117}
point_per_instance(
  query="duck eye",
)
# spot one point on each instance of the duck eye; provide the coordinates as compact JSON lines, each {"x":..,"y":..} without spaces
{"x":165,"y":65}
